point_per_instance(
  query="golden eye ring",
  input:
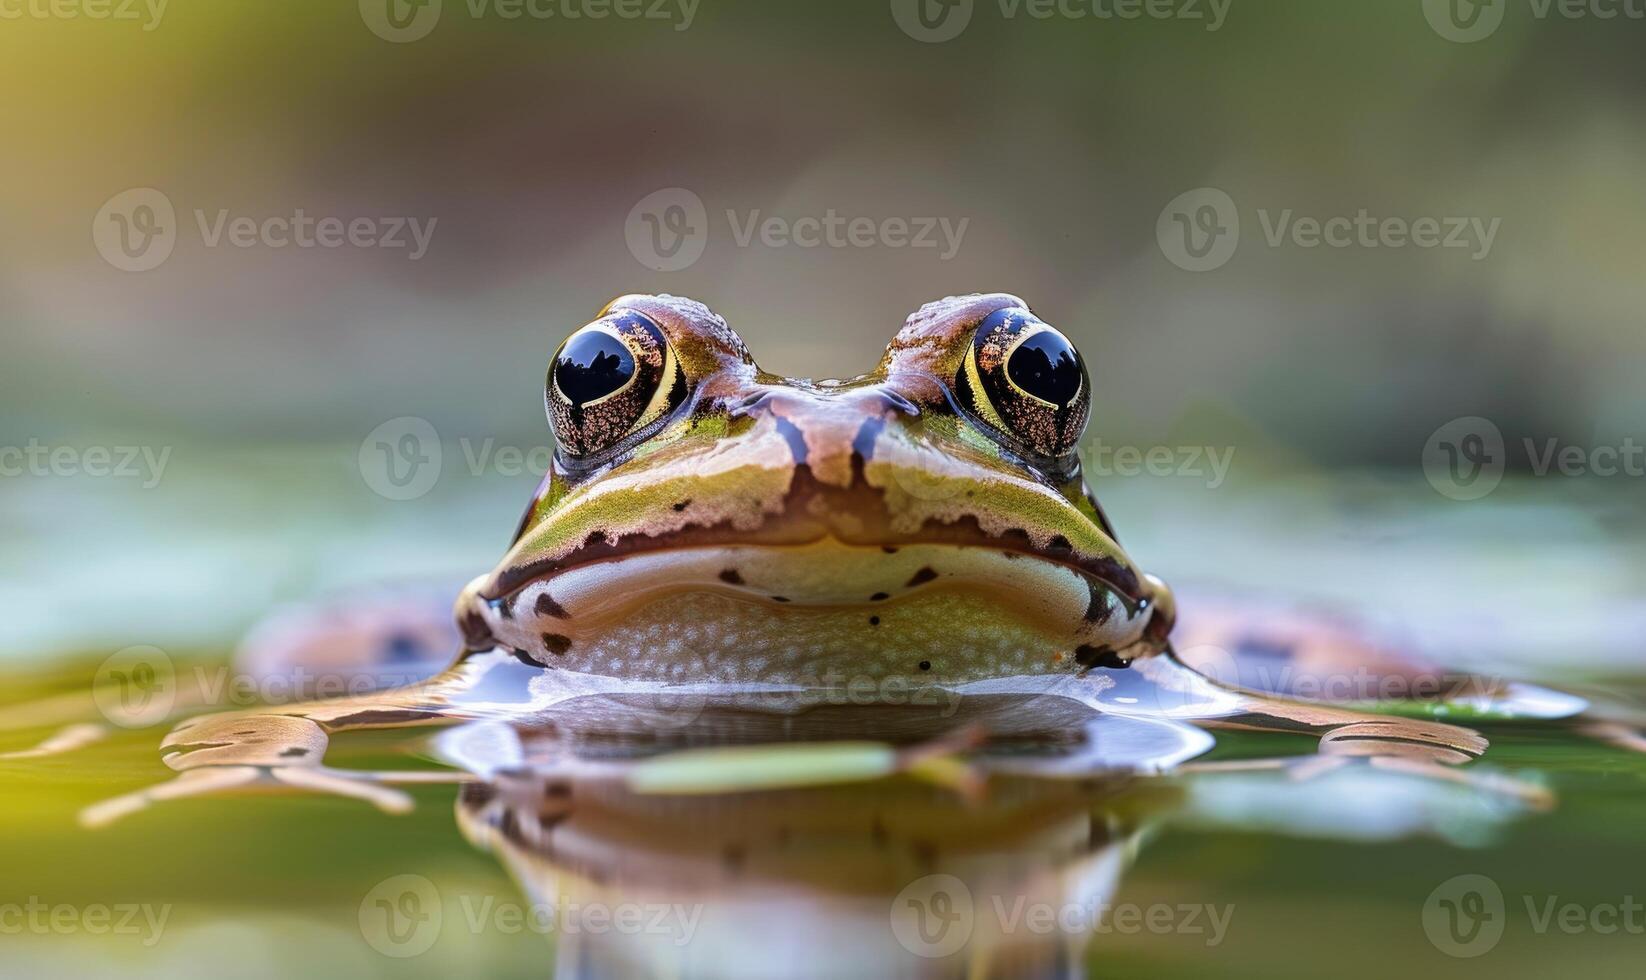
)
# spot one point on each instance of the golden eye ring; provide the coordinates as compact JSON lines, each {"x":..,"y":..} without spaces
{"x":609,"y":380}
{"x":1026,"y":380}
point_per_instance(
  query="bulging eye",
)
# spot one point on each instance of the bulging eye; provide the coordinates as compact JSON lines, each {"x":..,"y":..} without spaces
{"x":609,"y":380}
{"x":1027,"y":380}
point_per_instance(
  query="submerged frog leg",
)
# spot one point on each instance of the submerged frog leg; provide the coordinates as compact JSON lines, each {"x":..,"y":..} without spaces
{"x":197,"y":782}
{"x":1615,"y":733}
{"x":283,"y":748}
{"x":65,"y":739}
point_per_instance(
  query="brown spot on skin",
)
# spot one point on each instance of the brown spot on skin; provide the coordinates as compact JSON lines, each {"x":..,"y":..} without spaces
{"x":1059,"y":545}
{"x":476,"y":634}
{"x":920,"y":578}
{"x":682,"y":505}
{"x":546,"y":606}
{"x":730,"y":577}
{"x":878,"y":597}
{"x":380,"y":716}
{"x":556,"y":644}
{"x":888,"y":549}
{"x":1099,"y":609}
{"x":780,"y":598}
{"x":557,"y":791}
{"x":1090,"y":656}
{"x":294,"y":752}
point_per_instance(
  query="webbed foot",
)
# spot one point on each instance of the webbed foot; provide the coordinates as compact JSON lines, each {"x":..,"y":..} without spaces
{"x":260,"y":753}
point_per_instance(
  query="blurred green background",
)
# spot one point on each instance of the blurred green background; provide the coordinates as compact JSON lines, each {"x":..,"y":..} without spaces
{"x":541,"y":155}
{"x":1051,"y":148}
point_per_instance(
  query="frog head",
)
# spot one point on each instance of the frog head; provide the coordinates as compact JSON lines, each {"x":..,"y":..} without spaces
{"x":707,"y":521}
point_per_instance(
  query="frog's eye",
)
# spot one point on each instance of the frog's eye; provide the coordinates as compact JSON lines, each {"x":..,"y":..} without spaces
{"x":1026,"y":379}
{"x":609,"y":380}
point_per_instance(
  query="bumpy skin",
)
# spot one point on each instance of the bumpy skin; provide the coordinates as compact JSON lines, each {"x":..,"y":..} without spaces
{"x":773,"y":528}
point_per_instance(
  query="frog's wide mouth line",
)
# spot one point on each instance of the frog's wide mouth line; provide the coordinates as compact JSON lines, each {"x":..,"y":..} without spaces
{"x":698,"y":610}
{"x":814,"y":513}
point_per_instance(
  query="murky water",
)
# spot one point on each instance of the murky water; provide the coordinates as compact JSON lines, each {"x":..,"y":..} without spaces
{"x":1228,"y":867}
{"x":565,"y":852}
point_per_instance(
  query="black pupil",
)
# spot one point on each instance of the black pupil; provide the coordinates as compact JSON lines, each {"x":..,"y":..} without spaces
{"x":592,"y":365}
{"x":1047,"y":367}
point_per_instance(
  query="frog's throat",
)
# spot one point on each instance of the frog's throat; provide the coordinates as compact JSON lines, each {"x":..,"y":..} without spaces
{"x":786,"y":613}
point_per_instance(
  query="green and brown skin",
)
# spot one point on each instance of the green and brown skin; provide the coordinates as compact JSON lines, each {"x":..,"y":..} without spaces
{"x":897,"y":519}
{"x":710,"y":523}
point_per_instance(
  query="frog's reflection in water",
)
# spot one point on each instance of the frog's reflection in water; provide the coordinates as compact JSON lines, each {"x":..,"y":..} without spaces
{"x":637,"y":871}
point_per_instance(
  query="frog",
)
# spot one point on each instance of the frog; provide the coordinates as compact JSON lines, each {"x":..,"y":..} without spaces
{"x":715,"y":538}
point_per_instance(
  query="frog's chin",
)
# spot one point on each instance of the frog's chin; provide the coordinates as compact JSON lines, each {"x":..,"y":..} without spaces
{"x":737,"y":613}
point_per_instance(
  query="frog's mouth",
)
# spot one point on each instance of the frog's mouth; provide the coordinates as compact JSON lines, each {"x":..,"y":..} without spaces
{"x":789,"y":612}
